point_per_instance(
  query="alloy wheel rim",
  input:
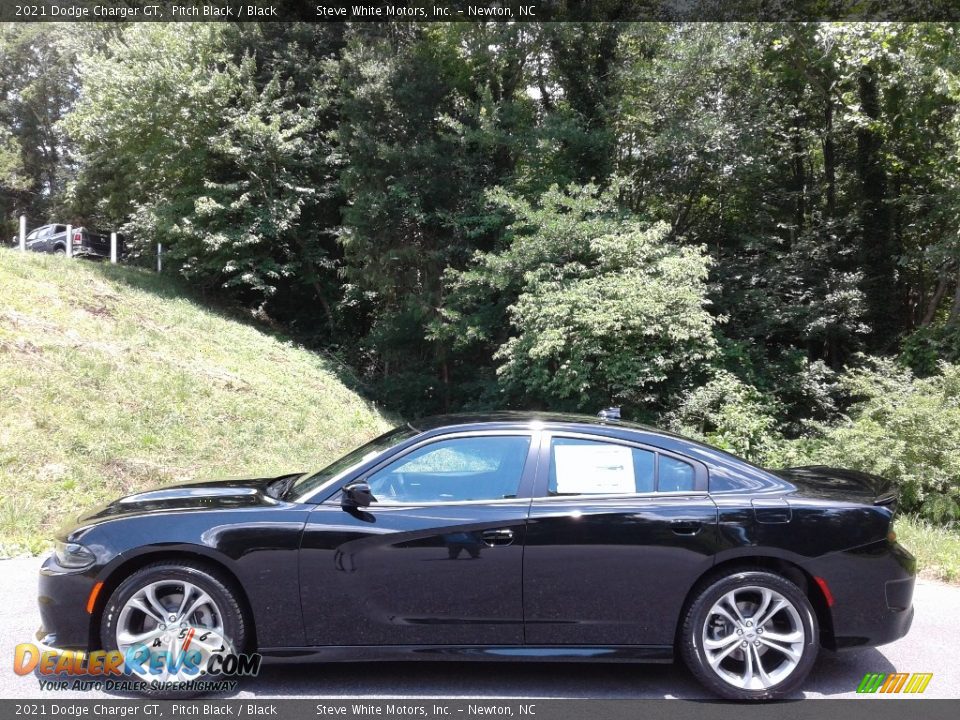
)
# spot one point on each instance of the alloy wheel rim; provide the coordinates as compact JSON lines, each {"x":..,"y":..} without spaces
{"x":753,"y":638}
{"x":161,"y":616}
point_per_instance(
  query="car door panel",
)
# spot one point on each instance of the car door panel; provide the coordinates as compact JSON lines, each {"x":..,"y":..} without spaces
{"x":613,"y":570}
{"x":442,"y":574}
{"x":40,"y":244}
{"x":409,"y":573}
{"x":58,"y":235}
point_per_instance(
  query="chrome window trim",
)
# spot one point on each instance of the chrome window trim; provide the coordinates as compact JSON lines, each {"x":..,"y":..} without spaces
{"x":532,"y":450}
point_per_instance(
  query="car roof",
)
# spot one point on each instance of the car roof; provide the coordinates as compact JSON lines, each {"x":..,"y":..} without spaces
{"x":522,"y":418}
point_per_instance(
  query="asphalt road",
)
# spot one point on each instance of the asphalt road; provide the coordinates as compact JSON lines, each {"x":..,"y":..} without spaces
{"x":933,"y":645}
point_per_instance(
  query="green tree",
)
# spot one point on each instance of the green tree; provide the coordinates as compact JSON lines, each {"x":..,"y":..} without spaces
{"x":432,"y":117}
{"x":730,"y":414}
{"x":899,"y":427}
{"x":38,"y":86}
{"x":195,"y":142}
{"x":602,"y":308}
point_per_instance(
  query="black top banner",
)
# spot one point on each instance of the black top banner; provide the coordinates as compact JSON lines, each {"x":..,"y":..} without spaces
{"x":477,"y":10}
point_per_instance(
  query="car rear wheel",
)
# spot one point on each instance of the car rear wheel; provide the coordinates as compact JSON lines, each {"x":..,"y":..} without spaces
{"x":751,"y":635}
{"x":171,"y":609}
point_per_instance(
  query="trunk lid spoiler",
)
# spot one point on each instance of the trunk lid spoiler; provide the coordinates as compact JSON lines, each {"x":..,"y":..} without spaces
{"x":839,"y":484}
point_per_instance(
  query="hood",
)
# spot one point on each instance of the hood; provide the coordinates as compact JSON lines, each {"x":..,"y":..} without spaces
{"x":820,"y":481}
{"x":227,"y":494}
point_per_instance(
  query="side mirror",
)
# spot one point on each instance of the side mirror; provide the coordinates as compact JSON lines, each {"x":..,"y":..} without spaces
{"x":357,"y":494}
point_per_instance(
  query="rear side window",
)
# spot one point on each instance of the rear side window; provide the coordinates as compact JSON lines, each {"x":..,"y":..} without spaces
{"x":675,"y":475}
{"x":594,"y":467}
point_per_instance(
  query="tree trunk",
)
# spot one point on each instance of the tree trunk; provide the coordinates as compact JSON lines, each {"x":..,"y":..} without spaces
{"x":955,"y":308}
{"x":799,"y":177}
{"x":935,"y":301}
{"x":830,"y":159}
{"x":315,"y":283}
{"x":877,"y":252}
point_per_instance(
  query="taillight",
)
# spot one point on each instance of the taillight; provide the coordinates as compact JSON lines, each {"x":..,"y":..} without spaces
{"x":825,"y":589}
{"x":77,"y":238}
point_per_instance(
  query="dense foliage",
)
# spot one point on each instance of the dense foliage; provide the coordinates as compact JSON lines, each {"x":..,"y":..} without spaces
{"x":601,"y":307}
{"x":748,"y":232}
{"x":900,"y":427}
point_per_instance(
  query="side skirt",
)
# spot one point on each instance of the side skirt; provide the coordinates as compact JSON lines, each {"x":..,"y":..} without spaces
{"x":540,"y":653}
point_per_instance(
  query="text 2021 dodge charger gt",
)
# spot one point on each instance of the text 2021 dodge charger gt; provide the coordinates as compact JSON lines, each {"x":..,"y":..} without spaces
{"x":502,"y":537}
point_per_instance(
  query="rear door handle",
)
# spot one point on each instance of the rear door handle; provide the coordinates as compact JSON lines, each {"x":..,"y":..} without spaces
{"x":686,"y":527}
{"x":501,"y":537}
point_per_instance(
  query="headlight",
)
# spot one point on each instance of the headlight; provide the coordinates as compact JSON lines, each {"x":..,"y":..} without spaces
{"x":72,"y":555}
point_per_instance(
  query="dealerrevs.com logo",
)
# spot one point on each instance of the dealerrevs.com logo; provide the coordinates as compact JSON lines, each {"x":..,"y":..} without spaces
{"x":894,"y":683}
{"x":189,"y":659}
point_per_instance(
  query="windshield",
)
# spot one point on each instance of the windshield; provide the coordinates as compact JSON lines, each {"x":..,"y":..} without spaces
{"x":310,"y":482}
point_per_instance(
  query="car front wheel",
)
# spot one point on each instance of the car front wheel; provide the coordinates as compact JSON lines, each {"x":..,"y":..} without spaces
{"x":751,"y":635}
{"x":165,"y":610}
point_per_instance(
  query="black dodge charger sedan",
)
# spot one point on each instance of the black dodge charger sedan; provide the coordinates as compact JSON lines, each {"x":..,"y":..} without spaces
{"x":505,"y":537}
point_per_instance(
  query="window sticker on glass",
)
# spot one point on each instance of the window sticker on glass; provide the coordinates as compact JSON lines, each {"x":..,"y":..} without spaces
{"x":595,"y":468}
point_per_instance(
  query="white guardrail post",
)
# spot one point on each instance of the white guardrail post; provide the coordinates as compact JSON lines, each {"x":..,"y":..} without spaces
{"x":113,"y":248}
{"x":23,"y":233}
{"x":69,"y":241}
{"x":159,"y":257}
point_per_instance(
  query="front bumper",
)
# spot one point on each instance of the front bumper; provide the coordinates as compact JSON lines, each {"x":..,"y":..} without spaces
{"x":46,"y":642}
{"x":65,"y":623}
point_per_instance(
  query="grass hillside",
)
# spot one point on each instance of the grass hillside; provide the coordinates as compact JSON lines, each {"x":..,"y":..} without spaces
{"x":111,"y":381}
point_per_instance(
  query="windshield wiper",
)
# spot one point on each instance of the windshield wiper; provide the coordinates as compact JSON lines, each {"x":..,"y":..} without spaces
{"x":279,"y":487}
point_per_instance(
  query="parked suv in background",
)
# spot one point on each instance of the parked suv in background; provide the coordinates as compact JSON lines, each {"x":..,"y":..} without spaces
{"x":53,"y":239}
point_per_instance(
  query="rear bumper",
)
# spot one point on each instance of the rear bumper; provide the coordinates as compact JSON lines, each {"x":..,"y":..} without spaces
{"x":872,"y":588}
{"x":90,"y":251}
{"x":887,"y":628}
{"x":895,"y":626}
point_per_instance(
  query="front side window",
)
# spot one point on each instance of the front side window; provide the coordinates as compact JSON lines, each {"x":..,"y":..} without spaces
{"x":593,"y":467}
{"x":455,"y":470}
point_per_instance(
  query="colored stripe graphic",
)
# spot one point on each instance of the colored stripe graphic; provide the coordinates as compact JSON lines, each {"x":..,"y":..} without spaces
{"x":871,"y":682}
{"x":894,"y":682}
{"x":918,"y":683}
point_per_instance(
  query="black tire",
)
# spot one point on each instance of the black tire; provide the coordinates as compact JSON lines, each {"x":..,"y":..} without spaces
{"x":692,"y":629}
{"x":59,"y":250}
{"x":207,"y":579}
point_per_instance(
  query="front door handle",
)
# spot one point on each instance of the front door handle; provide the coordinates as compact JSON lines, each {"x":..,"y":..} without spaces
{"x":494,"y":538}
{"x":686,"y":527}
